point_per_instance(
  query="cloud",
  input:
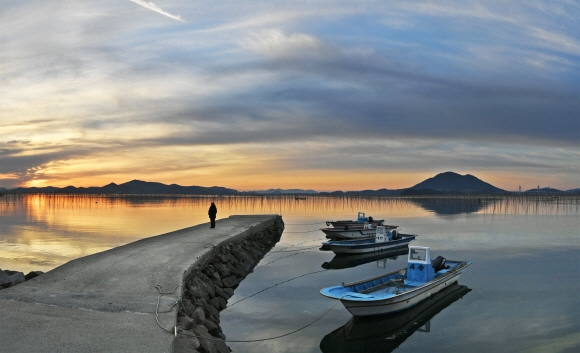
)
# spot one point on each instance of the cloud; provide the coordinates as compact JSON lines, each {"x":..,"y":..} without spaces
{"x":152,"y":6}
{"x":270,"y":75}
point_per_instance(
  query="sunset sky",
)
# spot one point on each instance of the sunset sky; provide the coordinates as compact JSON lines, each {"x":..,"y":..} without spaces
{"x":323,"y":95}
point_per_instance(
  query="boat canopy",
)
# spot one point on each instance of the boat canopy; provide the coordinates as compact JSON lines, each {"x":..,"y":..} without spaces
{"x":419,"y":268}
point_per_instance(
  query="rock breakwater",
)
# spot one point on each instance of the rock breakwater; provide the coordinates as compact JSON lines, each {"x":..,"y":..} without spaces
{"x":212,"y":281}
{"x":11,"y":278}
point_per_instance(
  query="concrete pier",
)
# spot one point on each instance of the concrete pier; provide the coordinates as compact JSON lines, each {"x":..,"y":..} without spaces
{"x":106,"y":302}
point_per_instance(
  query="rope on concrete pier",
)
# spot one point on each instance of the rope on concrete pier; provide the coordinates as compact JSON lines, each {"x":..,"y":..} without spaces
{"x":173,"y":329}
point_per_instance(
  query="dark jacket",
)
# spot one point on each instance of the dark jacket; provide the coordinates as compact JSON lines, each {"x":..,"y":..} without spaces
{"x":212,"y":212}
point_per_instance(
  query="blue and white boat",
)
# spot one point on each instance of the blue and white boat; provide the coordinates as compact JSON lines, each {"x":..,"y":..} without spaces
{"x":401,"y":289}
{"x":385,"y":239}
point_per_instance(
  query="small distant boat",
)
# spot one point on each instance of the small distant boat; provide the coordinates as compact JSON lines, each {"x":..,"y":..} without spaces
{"x":360,"y":221}
{"x":368,"y":231}
{"x":299,"y":198}
{"x":385,"y":239}
{"x":401,"y":289}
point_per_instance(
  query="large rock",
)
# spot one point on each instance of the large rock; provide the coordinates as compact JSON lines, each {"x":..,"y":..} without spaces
{"x":185,"y":343}
{"x":223,"y":270}
{"x":198,"y":316}
{"x":4,"y":278}
{"x":209,"y":343}
{"x":216,"y":280}
{"x":213,"y":329}
{"x":185,"y":322}
{"x":222,"y":294}
{"x":18,"y":277}
{"x":31,"y":275}
{"x":230,"y":282}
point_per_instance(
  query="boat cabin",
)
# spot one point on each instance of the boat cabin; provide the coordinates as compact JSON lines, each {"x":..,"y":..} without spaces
{"x":361,"y":218}
{"x":419,"y":266}
{"x":384,"y":235}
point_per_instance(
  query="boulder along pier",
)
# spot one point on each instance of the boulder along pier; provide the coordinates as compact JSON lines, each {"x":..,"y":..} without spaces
{"x":159,"y":294}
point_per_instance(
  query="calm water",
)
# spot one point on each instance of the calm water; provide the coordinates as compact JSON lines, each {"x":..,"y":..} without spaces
{"x":520,"y":294}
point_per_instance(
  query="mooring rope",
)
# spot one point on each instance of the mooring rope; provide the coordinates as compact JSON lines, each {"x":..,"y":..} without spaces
{"x":289,"y":246}
{"x":277,"y":284}
{"x":299,"y":251}
{"x":302,"y":224}
{"x":182,"y":331}
{"x":157,"y":307}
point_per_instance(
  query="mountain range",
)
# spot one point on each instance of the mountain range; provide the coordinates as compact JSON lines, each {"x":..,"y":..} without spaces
{"x":441,"y":184}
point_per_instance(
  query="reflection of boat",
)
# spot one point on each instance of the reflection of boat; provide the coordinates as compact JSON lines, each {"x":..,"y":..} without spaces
{"x":344,"y":233}
{"x":401,"y":289}
{"x":345,"y":261}
{"x":299,"y":198}
{"x":386,"y":333}
{"x":360,"y":220}
{"x":385,"y":239}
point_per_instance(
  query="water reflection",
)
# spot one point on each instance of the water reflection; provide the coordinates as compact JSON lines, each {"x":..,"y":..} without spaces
{"x":345,"y":261}
{"x":386,"y":333}
{"x":40,"y":232}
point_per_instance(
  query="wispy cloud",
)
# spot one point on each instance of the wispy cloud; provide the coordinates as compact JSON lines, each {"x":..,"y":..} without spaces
{"x":152,"y":6}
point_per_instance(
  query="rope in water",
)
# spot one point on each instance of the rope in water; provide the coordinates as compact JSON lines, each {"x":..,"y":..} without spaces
{"x":182,"y":331}
{"x":277,"y":284}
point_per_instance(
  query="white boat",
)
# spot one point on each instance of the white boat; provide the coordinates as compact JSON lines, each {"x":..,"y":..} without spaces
{"x":344,"y":233}
{"x":360,"y":220}
{"x":385,"y":333}
{"x":385,"y":239}
{"x":401,"y":289}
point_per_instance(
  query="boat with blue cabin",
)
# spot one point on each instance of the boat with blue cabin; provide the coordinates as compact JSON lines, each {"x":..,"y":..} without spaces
{"x":385,"y":239}
{"x":400,"y":289}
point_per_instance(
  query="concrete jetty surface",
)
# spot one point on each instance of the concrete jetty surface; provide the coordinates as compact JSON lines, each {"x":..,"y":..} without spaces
{"x":106,"y":302}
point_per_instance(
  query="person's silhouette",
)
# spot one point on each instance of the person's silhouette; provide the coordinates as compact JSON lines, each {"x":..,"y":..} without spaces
{"x":212,"y":212}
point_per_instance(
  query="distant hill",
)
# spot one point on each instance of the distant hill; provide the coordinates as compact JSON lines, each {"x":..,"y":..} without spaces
{"x":440,"y":184}
{"x":380,"y":192}
{"x":133,"y":187}
{"x":282,"y":191}
{"x":443,"y":183}
{"x":453,"y":183}
{"x":544,"y":191}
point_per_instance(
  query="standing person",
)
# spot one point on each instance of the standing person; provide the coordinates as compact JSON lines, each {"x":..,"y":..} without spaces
{"x":212,"y":212}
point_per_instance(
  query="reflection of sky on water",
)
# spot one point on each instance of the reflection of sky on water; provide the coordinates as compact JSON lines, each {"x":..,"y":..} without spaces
{"x":524,"y":275}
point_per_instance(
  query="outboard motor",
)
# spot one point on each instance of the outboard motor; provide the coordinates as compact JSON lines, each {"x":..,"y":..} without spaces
{"x":439,"y":263}
{"x":395,"y":235}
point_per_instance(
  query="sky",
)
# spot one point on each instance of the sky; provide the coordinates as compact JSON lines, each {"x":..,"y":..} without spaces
{"x":323,"y":95}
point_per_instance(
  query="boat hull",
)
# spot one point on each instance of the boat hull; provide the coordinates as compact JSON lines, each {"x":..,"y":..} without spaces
{"x":370,"y":246}
{"x":340,"y":224}
{"x":402,"y":301}
{"x":341,"y":234}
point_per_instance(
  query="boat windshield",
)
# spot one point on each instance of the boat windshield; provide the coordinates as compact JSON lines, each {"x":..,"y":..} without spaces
{"x":418,"y":254}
